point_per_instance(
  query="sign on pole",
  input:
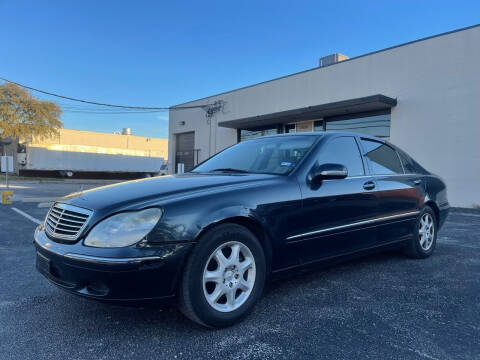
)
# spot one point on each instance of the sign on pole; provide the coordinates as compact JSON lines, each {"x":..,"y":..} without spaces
{"x":6,"y":164}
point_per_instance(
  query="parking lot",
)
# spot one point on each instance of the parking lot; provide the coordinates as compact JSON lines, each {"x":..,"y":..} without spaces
{"x":379,"y":307}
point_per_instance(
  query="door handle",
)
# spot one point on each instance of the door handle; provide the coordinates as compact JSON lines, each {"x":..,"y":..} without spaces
{"x":417,"y":181}
{"x":369,"y":185}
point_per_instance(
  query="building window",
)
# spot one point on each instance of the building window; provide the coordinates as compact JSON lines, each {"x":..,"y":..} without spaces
{"x":318,"y":125}
{"x":377,"y":125}
{"x":304,"y":126}
{"x":245,"y":134}
{"x":290,"y":128}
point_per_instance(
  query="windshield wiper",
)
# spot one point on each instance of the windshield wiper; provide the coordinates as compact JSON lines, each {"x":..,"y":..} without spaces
{"x":230,"y":170}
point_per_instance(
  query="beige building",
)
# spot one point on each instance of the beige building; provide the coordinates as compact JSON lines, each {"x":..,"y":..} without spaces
{"x":87,"y":151}
{"x":104,"y":143}
{"x":424,"y":96}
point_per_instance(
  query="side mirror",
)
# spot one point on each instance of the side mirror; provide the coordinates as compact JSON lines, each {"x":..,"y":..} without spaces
{"x":329,"y":172}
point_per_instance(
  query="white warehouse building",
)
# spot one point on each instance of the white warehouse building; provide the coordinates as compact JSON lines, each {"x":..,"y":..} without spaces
{"x":424,"y":96}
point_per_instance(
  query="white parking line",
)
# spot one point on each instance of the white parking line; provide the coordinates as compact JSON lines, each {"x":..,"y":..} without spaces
{"x":45,"y":204}
{"x":26,"y":215}
{"x":39,"y":199}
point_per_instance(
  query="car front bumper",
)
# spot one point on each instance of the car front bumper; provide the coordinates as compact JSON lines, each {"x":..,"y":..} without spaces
{"x":117,"y":275}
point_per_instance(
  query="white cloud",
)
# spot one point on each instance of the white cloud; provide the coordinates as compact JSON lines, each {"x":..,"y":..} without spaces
{"x":162,"y":117}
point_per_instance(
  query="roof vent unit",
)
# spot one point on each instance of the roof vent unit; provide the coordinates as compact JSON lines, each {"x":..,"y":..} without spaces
{"x":127,"y":131}
{"x":331,"y":59}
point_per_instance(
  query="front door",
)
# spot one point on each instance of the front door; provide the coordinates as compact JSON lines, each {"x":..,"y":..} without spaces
{"x":335,"y":215}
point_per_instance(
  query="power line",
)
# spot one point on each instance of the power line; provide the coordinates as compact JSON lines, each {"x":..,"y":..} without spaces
{"x":111,"y":112}
{"x":108,"y":110}
{"x":69,"y":108}
{"x":104,"y":104}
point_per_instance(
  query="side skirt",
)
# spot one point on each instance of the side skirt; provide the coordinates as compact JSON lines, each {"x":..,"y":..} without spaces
{"x":341,"y":258}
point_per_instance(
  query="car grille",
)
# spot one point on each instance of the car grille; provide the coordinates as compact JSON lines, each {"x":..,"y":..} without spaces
{"x":66,"y":222}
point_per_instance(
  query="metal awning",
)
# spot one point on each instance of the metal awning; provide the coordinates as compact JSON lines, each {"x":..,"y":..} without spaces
{"x":345,"y":107}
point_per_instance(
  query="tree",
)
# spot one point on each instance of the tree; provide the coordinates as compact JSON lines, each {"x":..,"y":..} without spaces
{"x":22,"y":116}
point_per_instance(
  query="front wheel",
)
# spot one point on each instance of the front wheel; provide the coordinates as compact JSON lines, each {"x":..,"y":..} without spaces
{"x":425,"y":237}
{"x":223,"y":277}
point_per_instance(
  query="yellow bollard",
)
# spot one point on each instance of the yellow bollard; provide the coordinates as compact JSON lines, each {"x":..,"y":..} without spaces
{"x":7,"y":197}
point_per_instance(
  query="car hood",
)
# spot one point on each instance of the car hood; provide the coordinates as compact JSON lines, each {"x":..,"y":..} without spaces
{"x":120,"y":195}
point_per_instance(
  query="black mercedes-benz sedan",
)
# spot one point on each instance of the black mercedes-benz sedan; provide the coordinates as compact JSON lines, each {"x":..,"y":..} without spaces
{"x":210,"y":238}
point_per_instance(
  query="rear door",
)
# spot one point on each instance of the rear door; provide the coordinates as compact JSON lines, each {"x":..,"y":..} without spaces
{"x":399,"y":193}
{"x":334,"y":216}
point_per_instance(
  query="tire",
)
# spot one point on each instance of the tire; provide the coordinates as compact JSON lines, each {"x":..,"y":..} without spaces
{"x":235,"y":284}
{"x":424,"y":240}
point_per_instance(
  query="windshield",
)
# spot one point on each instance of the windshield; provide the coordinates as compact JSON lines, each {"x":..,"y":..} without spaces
{"x":270,"y":155}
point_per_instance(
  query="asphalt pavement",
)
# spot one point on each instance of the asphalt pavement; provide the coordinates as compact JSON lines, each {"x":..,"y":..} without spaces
{"x":384,"y":306}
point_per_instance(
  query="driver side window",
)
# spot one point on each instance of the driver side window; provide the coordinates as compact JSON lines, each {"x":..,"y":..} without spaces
{"x":343,"y":150}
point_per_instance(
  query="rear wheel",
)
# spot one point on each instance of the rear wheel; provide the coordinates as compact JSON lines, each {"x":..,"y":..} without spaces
{"x":425,"y":239}
{"x":223,"y":277}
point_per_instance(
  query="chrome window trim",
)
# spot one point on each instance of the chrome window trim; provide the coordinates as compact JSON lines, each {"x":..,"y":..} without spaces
{"x":401,"y":162}
{"x":410,"y":174}
{"x":380,"y":175}
{"x":358,"y":177}
{"x":346,"y":226}
{"x":68,"y":207}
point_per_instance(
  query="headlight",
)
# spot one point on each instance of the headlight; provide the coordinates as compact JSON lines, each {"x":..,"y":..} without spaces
{"x":123,"y":229}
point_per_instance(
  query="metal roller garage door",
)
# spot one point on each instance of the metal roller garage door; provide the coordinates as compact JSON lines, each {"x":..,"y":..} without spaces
{"x":184,"y":152}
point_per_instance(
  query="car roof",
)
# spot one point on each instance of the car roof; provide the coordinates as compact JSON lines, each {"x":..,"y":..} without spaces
{"x":327,"y":134}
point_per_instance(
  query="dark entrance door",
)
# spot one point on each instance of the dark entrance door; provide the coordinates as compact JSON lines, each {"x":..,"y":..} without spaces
{"x":184,"y":152}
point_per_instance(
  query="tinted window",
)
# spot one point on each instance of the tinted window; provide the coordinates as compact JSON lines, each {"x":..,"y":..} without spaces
{"x":344,"y":151}
{"x":407,"y":164}
{"x":382,"y":158}
{"x":273,"y":155}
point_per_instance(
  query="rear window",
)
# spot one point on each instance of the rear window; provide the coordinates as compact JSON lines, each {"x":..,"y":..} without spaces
{"x":407,"y":164}
{"x":382,"y":158}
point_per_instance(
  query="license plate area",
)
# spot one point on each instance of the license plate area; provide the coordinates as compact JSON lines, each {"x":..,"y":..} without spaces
{"x":43,"y":264}
{"x":50,"y":271}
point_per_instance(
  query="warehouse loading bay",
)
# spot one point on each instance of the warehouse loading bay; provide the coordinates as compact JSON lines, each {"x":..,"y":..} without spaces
{"x":386,"y":304}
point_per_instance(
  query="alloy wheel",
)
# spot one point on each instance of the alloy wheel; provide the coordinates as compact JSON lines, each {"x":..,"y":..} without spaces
{"x":426,"y":231}
{"x":229,"y":276}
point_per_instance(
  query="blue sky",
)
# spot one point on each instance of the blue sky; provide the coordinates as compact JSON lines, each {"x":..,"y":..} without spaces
{"x":162,"y":53}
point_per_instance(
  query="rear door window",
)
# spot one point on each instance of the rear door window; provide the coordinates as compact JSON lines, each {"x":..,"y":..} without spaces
{"x":382,"y":158}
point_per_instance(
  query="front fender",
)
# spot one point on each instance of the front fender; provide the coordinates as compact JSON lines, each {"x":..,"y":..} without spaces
{"x":222,"y":214}
{"x":186,"y":222}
